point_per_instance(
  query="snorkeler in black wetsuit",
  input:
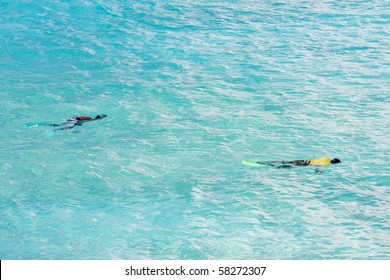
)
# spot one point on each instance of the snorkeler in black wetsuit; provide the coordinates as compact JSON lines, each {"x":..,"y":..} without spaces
{"x":319,"y":162}
{"x":76,"y":121}
{"x":324,"y":161}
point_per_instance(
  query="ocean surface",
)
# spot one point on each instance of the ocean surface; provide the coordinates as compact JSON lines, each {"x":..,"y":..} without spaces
{"x":191,"y":88}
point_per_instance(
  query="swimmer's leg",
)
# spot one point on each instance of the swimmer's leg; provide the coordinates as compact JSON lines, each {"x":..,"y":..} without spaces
{"x":284,"y":166}
{"x":32,"y":124}
{"x":277,"y":164}
{"x":274,"y":163}
{"x":53,"y":124}
{"x":70,"y":126}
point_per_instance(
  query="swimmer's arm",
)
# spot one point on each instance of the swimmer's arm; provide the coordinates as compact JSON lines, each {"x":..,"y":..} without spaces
{"x":99,"y":117}
{"x":318,"y":171}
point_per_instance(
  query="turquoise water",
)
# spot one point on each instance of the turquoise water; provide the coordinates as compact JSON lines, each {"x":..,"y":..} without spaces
{"x":190,"y":89}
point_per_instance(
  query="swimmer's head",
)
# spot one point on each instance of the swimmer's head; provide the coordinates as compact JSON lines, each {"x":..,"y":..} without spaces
{"x":335,"y":160}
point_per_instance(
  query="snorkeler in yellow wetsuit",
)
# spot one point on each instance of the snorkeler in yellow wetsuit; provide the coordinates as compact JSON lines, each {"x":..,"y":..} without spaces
{"x":319,"y":162}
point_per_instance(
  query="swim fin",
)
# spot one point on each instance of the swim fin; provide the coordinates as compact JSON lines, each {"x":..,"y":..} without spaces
{"x":33,"y":124}
{"x":251,"y":163}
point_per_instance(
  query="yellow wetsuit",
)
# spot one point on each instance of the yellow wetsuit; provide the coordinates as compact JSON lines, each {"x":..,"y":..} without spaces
{"x":320,"y":161}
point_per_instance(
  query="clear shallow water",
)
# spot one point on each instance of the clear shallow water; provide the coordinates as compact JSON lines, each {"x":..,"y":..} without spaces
{"x":191,"y":89}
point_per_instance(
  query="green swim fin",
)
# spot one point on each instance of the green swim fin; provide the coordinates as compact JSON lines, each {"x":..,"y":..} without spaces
{"x":251,"y":163}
